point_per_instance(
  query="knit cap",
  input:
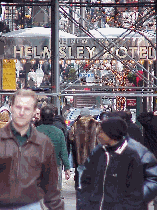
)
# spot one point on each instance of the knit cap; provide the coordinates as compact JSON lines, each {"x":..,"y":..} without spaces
{"x":115,"y":128}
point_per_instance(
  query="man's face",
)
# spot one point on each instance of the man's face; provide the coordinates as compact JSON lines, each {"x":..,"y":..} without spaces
{"x":22,"y":111}
{"x":37,"y":115}
{"x":103,"y":138}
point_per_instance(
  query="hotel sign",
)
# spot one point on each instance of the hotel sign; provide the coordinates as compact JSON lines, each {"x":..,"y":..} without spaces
{"x":77,"y":49}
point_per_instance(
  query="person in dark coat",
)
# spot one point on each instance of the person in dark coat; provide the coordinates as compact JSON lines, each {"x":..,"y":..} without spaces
{"x":149,"y":122}
{"x":46,"y":67}
{"x":59,"y":121}
{"x":113,"y":177}
{"x":134,"y":130}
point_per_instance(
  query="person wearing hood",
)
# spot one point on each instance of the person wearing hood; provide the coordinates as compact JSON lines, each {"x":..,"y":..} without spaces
{"x":58,"y":139}
{"x":83,"y":139}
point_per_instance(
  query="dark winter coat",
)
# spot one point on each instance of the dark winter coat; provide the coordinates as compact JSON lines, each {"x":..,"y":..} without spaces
{"x":149,"y":122}
{"x":135,"y":132}
{"x":59,"y":122}
{"x":149,"y":163}
{"x":115,"y":177}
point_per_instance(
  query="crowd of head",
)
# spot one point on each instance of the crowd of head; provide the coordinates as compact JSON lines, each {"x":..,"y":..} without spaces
{"x":112,"y":167}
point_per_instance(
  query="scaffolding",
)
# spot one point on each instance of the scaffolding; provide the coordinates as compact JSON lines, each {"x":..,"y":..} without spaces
{"x":80,"y":18}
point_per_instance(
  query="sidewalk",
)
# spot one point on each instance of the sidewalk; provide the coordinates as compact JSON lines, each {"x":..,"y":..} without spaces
{"x":69,"y":192}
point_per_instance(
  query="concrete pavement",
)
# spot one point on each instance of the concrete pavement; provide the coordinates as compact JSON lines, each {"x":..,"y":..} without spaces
{"x":69,"y":192}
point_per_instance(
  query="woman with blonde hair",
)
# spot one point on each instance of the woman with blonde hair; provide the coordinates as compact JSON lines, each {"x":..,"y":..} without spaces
{"x":4,"y":116}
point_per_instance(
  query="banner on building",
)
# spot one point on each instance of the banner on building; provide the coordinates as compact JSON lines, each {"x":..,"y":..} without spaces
{"x":9,"y":75}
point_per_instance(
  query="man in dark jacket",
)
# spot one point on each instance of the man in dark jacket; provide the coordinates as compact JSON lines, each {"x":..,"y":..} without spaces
{"x":28,"y":168}
{"x":119,"y":174}
{"x":149,"y":122}
{"x":134,"y":130}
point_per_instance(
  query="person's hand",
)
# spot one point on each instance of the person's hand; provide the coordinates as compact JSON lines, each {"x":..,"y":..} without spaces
{"x":67,"y":174}
{"x":155,"y":112}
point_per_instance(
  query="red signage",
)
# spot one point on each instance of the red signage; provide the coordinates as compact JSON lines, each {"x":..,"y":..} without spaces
{"x":86,"y":88}
{"x":131,"y":102}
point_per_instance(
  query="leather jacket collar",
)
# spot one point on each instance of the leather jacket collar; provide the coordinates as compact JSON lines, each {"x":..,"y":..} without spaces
{"x":6,"y":133}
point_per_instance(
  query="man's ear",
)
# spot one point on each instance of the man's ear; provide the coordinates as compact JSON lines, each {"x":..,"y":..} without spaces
{"x":35,"y":111}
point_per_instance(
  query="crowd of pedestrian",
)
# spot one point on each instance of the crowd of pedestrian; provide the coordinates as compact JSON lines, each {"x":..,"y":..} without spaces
{"x":115,"y":160}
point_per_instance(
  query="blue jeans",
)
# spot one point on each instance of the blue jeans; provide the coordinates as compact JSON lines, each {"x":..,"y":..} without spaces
{"x":33,"y":206}
{"x":60,"y":177}
{"x":71,"y":159}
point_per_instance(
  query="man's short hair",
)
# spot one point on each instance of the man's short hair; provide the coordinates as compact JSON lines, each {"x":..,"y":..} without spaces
{"x":46,"y":115}
{"x":25,"y":93}
{"x":54,"y":109}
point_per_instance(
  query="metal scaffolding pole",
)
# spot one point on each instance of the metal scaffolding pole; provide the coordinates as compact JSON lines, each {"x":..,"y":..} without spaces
{"x":55,"y":52}
{"x":155,"y":63}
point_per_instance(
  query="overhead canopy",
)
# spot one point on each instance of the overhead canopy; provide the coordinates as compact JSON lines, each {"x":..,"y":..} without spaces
{"x":112,"y":32}
{"x":35,"y":43}
{"x":46,"y":32}
{"x":30,"y":43}
{"x":37,"y":32}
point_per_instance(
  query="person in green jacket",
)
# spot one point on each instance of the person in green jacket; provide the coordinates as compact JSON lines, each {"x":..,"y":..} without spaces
{"x":58,"y":139}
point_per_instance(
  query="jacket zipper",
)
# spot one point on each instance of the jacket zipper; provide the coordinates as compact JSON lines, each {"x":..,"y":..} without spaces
{"x":108,"y":160}
{"x":19,"y":157}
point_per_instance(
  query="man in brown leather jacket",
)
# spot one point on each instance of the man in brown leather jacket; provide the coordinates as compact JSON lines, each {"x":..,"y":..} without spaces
{"x":28,"y":169}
